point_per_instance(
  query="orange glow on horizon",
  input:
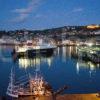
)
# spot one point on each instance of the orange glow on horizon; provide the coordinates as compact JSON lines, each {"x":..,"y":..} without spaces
{"x":93,"y":26}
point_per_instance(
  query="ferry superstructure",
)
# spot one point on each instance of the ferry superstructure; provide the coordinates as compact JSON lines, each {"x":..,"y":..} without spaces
{"x":38,"y":48}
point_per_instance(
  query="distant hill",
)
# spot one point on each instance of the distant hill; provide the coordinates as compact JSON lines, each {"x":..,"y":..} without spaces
{"x":68,"y":30}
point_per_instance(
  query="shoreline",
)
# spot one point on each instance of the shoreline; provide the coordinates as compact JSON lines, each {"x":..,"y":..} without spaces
{"x":88,"y":96}
{"x":61,"y":45}
{"x":94,"y":96}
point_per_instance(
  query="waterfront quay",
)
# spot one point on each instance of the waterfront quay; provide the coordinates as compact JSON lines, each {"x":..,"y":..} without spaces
{"x":94,"y":96}
{"x":66,"y":97}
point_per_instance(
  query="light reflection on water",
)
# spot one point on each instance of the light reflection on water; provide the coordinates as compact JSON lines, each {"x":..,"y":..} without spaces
{"x":86,"y":65}
{"x":59,"y":69}
{"x":29,"y":62}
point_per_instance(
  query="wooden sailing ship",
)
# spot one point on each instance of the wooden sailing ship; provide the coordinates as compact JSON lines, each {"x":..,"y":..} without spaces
{"x":35,"y":86}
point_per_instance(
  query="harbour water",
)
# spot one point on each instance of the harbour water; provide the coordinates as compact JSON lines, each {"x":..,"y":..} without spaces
{"x":59,"y":69}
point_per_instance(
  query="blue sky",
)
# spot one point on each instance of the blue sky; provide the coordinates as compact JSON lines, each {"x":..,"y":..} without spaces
{"x":42,"y":14}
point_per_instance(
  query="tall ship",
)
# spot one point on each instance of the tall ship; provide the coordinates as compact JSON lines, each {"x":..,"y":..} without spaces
{"x":34,"y":86}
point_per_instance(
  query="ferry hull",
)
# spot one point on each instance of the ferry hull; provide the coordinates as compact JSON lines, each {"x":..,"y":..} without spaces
{"x":33,"y":53}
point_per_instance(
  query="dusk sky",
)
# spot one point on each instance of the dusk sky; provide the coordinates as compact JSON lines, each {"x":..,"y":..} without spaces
{"x":42,"y":14}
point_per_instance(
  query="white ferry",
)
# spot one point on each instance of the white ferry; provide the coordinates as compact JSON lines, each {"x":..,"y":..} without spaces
{"x":32,"y":50}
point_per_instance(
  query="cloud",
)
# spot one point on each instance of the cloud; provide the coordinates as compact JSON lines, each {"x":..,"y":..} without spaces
{"x":77,"y":10}
{"x":22,"y":10}
{"x":20,"y":18}
{"x":23,"y":13}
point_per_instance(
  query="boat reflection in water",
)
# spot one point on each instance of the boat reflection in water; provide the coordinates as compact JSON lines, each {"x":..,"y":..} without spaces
{"x":91,"y":67}
{"x":30,"y":62}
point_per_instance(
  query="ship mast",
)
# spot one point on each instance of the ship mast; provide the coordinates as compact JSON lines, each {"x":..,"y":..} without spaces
{"x":12,"y":80}
{"x":11,"y":91}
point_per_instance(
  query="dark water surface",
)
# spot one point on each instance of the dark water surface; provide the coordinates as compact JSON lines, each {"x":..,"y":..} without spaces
{"x":59,"y":69}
